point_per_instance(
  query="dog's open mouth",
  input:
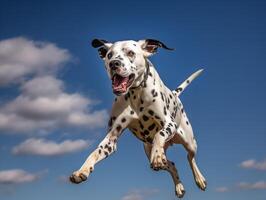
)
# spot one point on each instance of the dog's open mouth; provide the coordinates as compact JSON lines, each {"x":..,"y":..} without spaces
{"x":120,"y":84}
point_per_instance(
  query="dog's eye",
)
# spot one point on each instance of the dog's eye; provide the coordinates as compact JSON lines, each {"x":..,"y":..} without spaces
{"x":130,"y":53}
{"x":110,"y":55}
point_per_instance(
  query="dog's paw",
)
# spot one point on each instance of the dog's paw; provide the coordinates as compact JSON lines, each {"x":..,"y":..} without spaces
{"x":158,"y":159}
{"x":179,"y":190}
{"x":78,"y":177}
{"x":201,"y":182}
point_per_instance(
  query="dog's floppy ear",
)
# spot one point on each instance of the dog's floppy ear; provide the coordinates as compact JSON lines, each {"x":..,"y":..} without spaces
{"x":150,"y":46}
{"x":104,"y":46}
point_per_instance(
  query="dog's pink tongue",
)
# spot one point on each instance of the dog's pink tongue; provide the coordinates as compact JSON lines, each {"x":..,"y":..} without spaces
{"x":120,"y":83}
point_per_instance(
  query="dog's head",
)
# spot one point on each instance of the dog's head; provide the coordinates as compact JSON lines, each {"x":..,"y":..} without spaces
{"x":125,"y":61}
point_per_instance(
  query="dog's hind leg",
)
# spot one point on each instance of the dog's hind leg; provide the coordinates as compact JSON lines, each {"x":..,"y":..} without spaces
{"x":179,"y":188}
{"x":189,"y":142}
{"x":199,"y":178}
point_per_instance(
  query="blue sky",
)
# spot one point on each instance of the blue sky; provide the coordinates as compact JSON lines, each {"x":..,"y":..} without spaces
{"x":225,"y":104}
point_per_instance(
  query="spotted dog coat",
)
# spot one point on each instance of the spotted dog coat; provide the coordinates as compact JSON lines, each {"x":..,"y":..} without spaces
{"x":144,"y":105}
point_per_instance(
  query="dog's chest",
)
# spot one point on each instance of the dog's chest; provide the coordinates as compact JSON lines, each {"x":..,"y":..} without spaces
{"x":149,"y":98}
{"x":144,"y":128}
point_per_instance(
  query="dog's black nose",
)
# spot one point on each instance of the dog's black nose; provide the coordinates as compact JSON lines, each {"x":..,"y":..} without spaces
{"x":114,"y":64}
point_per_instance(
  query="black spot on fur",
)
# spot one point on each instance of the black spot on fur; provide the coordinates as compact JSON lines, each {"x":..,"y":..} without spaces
{"x":127,"y":96}
{"x":146,"y":132}
{"x":164,"y":110}
{"x":141,"y":101}
{"x":161,"y":133}
{"x":141,"y":109}
{"x":106,"y":153}
{"x":169,"y":130}
{"x":100,"y":151}
{"x":123,"y":120}
{"x":145,"y":118}
{"x":150,"y":112}
{"x":188,"y":81}
{"x":187,"y":122}
{"x":162,"y":97}
{"x":132,"y":112}
{"x":179,"y":89}
{"x":118,"y":128}
{"x":151,"y":127}
{"x":154,"y":93}
{"x":141,"y":125}
{"x":109,"y":149}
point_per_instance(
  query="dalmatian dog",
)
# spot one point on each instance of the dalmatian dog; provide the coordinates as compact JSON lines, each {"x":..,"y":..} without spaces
{"x":145,"y":106}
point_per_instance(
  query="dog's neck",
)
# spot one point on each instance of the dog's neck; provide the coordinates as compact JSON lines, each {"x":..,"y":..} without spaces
{"x":143,"y":77}
{"x":141,"y":94}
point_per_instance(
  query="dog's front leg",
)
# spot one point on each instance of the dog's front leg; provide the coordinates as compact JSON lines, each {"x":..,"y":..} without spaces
{"x":119,"y":120}
{"x":158,"y":158}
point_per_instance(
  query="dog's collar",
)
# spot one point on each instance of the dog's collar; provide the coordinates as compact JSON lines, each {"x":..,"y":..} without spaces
{"x":143,"y":82}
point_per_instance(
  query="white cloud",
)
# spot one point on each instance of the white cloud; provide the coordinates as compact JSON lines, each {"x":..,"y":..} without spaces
{"x":43,"y":105}
{"x":260,"y":185}
{"x":21,"y":57}
{"x":253,"y":164}
{"x":133,"y":196}
{"x":15,"y":176}
{"x":45,"y":147}
{"x":140,"y":194}
{"x":222,"y":189}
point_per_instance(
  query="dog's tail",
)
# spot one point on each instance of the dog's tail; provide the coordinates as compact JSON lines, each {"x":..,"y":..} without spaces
{"x":183,"y":85}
